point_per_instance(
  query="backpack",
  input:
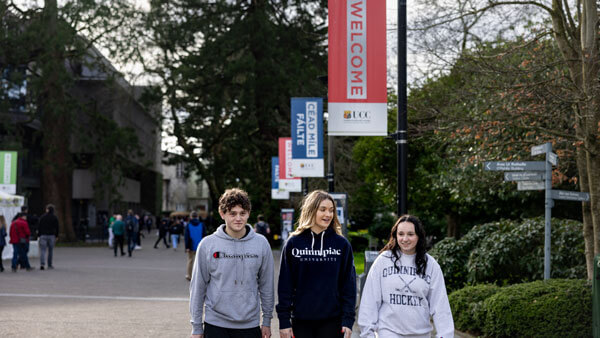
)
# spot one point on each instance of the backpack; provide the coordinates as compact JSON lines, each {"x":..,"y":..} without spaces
{"x":129,"y":224}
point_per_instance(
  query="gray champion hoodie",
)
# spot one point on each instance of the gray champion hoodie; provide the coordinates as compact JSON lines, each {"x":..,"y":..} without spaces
{"x":232,"y":279}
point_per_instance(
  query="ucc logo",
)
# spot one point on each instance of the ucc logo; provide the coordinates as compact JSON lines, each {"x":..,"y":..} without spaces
{"x":357,"y":115}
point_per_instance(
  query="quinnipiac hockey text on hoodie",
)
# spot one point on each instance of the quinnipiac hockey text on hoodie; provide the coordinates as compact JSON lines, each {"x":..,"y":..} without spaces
{"x":396,"y":302}
{"x":232,"y":279}
{"x":317,"y":279}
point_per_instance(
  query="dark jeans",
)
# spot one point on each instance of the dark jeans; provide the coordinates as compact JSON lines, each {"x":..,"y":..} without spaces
{"x":164,"y":238}
{"x":326,"y":328}
{"x":20,"y":256}
{"x":211,"y":331}
{"x":118,"y":240}
{"x":1,"y":266}
{"x":131,"y":242}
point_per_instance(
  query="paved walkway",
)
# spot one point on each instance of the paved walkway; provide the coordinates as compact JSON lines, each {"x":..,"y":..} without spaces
{"x":92,"y":293}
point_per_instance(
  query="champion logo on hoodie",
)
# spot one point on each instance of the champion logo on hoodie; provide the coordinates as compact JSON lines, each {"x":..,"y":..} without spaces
{"x":218,"y":254}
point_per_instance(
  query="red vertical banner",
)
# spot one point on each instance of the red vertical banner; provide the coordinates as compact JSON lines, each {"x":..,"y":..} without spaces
{"x":357,"y":68}
{"x":287,"y":182}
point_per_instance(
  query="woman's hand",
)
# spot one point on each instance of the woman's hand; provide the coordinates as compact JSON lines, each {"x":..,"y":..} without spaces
{"x":286,"y":333}
{"x":347,"y":332}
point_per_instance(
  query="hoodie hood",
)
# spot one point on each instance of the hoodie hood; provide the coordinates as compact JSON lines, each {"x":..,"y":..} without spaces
{"x":223,"y":235}
{"x":194,"y":222}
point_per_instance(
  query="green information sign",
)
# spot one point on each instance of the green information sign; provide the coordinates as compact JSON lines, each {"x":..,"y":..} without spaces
{"x":8,"y":171}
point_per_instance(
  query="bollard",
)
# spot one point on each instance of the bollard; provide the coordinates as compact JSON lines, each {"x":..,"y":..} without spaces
{"x":596,"y":297}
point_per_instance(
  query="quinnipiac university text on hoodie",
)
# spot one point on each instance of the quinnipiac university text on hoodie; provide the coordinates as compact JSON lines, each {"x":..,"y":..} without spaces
{"x":230,"y":276}
{"x":317,"y":279}
{"x":396,"y":302}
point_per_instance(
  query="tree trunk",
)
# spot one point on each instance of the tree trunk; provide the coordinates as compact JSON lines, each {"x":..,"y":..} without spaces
{"x":588,"y":226}
{"x":452,"y":223}
{"x":56,"y":121}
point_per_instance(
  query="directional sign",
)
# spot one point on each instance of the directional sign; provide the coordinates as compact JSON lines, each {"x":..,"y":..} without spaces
{"x":538,"y":149}
{"x":523,"y":176}
{"x":531,"y":185}
{"x":553,"y":158}
{"x":570,"y":195}
{"x":516,"y":166}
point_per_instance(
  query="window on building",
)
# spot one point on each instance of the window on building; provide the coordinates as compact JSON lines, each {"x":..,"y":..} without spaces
{"x":179,"y":170}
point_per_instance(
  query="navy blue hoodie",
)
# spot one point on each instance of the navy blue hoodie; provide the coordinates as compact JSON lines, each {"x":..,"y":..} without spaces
{"x":317,"y":279}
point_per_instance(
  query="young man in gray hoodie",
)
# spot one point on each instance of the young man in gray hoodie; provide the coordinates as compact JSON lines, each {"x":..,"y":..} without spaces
{"x":232,"y":277}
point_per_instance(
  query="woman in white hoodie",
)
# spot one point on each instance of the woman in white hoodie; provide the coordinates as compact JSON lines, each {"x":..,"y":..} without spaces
{"x":404,"y":288}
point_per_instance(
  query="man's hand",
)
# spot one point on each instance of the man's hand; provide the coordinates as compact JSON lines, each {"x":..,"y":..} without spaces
{"x":265,"y":332}
{"x":347,"y":332}
{"x":286,"y":333}
{"x":197,"y":335}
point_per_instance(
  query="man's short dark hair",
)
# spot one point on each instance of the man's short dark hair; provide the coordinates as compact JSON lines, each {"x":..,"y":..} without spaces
{"x":194,"y":214}
{"x":232,"y":198}
{"x":260,"y":217}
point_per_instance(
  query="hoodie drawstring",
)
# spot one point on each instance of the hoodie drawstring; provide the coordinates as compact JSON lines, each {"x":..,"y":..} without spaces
{"x":312,"y":246}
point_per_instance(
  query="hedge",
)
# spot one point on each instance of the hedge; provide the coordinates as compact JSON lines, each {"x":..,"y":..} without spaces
{"x":466,"y":304}
{"x":554,"y":308}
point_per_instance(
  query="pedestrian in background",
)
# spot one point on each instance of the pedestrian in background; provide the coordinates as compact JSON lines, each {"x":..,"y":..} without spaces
{"x":111,"y":235}
{"x":19,"y":238}
{"x":194,"y":232}
{"x":48,"y":233}
{"x":175,"y":230}
{"x":2,"y":239}
{"x":132,"y":227}
{"x":317,"y":280}
{"x":262,"y":227}
{"x":118,"y":229}
{"x":148,"y":222}
{"x":163,"y":230}
{"x":404,"y":288}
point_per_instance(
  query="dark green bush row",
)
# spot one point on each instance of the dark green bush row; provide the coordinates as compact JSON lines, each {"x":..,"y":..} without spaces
{"x":508,"y":252}
{"x":554,"y":308}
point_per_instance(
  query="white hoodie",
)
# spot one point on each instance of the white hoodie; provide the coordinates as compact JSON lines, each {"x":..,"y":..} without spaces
{"x":396,"y":302}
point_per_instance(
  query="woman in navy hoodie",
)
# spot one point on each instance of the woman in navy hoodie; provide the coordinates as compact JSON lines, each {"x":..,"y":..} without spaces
{"x":317,"y":280}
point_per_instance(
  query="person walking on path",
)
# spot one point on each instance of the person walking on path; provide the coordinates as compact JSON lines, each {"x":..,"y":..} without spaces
{"x":175,"y":230}
{"x":262,"y":227}
{"x":132,"y":227}
{"x":194,"y":232}
{"x":19,"y":238}
{"x":163,"y":230}
{"x":119,"y":233}
{"x":317,"y":279}
{"x":232,"y":277}
{"x":48,"y":233}
{"x":404,"y":288}
{"x":111,"y":235}
{"x":2,"y":239}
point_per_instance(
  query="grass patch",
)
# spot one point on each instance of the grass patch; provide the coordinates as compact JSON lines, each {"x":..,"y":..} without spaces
{"x":359,"y":262}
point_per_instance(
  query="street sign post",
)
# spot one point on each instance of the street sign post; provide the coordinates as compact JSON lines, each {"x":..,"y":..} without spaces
{"x":537,"y":175}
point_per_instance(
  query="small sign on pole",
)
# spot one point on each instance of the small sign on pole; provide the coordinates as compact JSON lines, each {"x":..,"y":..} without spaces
{"x":552,"y":158}
{"x":531,"y":185}
{"x":538,"y":149}
{"x":570,"y":195}
{"x":515,"y":166}
{"x":523,"y":176}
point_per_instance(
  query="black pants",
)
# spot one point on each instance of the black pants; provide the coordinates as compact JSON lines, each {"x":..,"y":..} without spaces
{"x":325,"y":328}
{"x":164,"y":238}
{"x":211,"y":331}
{"x":118,"y":241}
{"x":1,"y":266}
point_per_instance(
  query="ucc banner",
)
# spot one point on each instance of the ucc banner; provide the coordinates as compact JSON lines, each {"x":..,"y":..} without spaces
{"x":307,"y":137}
{"x":277,"y":194}
{"x":357,"y":68}
{"x":8,"y":166}
{"x":287,"y":182}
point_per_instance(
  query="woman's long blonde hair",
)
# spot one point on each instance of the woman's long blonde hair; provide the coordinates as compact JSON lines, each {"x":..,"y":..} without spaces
{"x":2,"y":222}
{"x":308,"y":212}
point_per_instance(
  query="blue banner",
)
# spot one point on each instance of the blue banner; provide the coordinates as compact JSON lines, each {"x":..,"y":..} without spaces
{"x":307,"y":137}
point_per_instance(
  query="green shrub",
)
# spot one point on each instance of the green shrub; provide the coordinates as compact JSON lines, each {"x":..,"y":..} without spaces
{"x":466,"y":305}
{"x":359,"y":242}
{"x":554,"y":308}
{"x":515,"y":253}
{"x":452,"y":254}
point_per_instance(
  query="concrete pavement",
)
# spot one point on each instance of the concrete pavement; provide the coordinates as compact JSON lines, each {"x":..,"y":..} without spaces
{"x":92,"y":293}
